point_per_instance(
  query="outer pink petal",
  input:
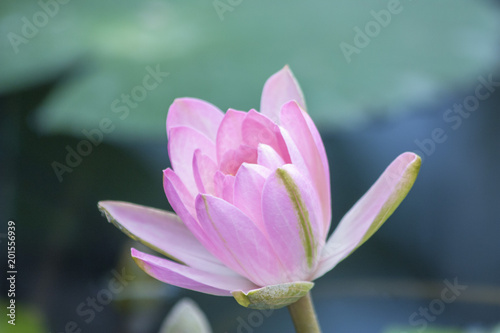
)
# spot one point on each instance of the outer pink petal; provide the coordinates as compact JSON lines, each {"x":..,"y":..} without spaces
{"x":248,"y":186}
{"x":204,"y":169}
{"x":196,"y":114}
{"x":189,"y":277}
{"x":184,"y":141}
{"x":279,"y":89}
{"x":183,"y":204}
{"x":294,"y":121}
{"x":253,"y":256}
{"x":321,"y":149}
{"x":292,"y":217}
{"x":371,"y":211}
{"x":295,"y":156}
{"x":229,"y":135}
{"x":162,"y":231}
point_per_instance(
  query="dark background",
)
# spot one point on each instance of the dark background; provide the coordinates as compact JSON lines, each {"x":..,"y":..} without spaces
{"x":388,"y":99}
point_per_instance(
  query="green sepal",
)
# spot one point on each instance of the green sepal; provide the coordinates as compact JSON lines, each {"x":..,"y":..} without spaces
{"x":273,"y":297}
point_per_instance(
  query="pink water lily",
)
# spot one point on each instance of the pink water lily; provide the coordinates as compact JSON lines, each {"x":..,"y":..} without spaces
{"x":251,"y":192}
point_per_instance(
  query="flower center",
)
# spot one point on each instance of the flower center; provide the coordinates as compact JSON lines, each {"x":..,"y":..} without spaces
{"x":233,"y":159}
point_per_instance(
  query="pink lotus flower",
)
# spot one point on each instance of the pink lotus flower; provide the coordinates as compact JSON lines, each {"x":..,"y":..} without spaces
{"x":252,"y":195}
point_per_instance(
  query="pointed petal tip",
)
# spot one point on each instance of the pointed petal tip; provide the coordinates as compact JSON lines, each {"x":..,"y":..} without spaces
{"x":136,"y":256}
{"x":403,"y":170}
{"x":280,"y":88}
{"x":134,"y":252}
{"x":104,"y":206}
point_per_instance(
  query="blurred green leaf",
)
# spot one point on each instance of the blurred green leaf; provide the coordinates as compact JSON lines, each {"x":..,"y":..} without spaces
{"x":419,"y":329}
{"x":26,"y":320}
{"x":424,"y":50}
{"x":433,"y":329}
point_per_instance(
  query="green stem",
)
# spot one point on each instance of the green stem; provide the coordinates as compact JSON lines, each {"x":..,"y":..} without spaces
{"x":304,"y":316}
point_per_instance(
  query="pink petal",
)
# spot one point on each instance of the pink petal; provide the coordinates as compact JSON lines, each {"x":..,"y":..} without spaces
{"x":183,"y":204}
{"x":268,"y":157}
{"x":252,"y":255}
{"x":162,"y":231}
{"x":189,"y":277}
{"x":371,"y":211}
{"x":279,"y":89}
{"x":319,"y":145}
{"x":229,"y":135}
{"x":248,"y":186}
{"x":224,"y":186}
{"x":259,"y":129}
{"x":183,"y":142}
{"x":232,"y":159}
{"x":296,"y":157}
{"x":292,"y":217}
{"x":293,"y":120}
{"x":196,"y":114}
{"x":204,"y":169}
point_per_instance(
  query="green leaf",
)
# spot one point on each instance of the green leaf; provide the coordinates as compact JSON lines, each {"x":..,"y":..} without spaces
{"x":273,"y":297}
{"x":25,"y":318}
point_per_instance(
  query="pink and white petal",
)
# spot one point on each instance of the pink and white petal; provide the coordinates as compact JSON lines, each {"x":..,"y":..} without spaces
{"x":183,"y":142}
{"x":196,"y":114}
{"x":204,"y":169}
{"x":162,"y":231}
{"x":188,"y":277}
{"x":268,"y":157}
{"x":280,"y":88}
{"x":371,"y":211}
{"x":248,"y":186}
{"x":229,"y":135}
{"x":293,"y":220}
{"x":252,"y":255}
{"x":259,"y":129}
{"x":293,"y":120}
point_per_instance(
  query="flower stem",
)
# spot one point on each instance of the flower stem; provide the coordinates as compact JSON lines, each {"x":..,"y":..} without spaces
{"x":304,"y":316}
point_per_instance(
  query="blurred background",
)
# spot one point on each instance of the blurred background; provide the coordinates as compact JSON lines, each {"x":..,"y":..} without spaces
{"x":379,"y":77}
